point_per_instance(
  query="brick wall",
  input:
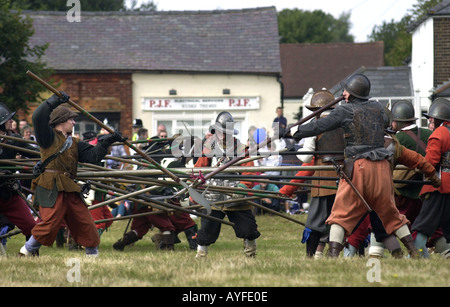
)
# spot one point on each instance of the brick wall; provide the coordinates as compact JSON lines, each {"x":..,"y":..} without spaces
{"x":99,"y":92}
{"x":441,"y":51}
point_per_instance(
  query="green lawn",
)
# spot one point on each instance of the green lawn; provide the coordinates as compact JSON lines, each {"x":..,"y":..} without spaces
{"x":280,"y":262}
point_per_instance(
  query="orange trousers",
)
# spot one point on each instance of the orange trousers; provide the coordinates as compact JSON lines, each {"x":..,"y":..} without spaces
{"x":373,"y":180}
{"x":70,"y":209}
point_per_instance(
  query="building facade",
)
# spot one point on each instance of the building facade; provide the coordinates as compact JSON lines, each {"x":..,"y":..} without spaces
{"x":179,"y":69}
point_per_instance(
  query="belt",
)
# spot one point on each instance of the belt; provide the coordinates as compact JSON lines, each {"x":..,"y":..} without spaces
{"x":67,"y":174}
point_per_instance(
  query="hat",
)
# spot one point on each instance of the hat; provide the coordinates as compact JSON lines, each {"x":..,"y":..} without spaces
{"x":89,"y":135}
{"x":60,"y":115}
{"x":137,"y":123}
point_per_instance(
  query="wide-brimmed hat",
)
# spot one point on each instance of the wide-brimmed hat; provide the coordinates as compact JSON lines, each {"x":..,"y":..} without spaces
{"x":60,"y":115}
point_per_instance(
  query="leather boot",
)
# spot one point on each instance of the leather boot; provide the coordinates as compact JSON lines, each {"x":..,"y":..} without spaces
{"x":408,"y":241}
{"x":393,"y":246}
{"x":334,"y":249}
{"x":167,"y":240}
{"x":128,"y":238}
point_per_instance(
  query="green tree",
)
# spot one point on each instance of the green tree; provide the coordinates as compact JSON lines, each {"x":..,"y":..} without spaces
{"x":298,"y":26}
{"x":16,"y":57}
{"x":397,"y":40}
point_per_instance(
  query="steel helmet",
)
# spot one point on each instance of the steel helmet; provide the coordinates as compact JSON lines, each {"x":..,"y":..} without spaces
{"x":439,"y":109}
{"x":5,"y":114}
{"x":357,"y":85}
{"x":320,"y":99}
{"x":224,"y":123}
{"x":403,"y":111}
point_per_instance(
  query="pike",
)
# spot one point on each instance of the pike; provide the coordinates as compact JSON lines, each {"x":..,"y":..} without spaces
{"x":242,"y":191}
{"x":20,"y":149}
{"x":125,"y":217}
{"x":264,"y":143}
{"x":287,"y":217}
{"x":13,"y":138}
{"x":193,"y":193}
{"x":10,"y":234}
{"x":124,"y":196}
{"x":162,"y":205}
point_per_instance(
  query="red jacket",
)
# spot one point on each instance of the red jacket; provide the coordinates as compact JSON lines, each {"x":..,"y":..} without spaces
{"x":438,"y":144}
{"x":289,"y":190}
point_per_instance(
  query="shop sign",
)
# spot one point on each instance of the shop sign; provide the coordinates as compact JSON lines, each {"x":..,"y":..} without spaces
{"x":190,"y":104}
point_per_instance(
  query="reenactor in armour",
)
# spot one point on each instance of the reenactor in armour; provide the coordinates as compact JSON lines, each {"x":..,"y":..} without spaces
{"x":379,"y":239}
{"x":321,"y":199}
{"x":220,"y":148}
{"x":435,"y":210}
{"x":12,"y":204}
{"x":414,"y":138}
{"x":366,"y":165}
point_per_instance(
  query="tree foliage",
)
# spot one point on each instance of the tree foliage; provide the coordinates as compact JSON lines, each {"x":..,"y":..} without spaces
{"x":16,"y":58}
{"x":298,"y":26}
{"x":397,"y":40}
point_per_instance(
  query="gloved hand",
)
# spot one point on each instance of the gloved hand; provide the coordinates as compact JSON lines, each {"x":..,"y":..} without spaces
{"x":283,"y":133}
{"x":297,"y":137}
{"x":55,"y":100}
{"x":435,"y":181}
{"x":112,"y":138}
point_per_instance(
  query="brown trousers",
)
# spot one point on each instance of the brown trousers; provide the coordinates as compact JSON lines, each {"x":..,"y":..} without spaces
{"x":373,"y":179}
{"x":71,"y":210}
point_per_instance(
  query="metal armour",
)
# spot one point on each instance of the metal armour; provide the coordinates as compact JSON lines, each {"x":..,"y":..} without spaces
{"x":439,"y":109}
{"x":224,"y":123}
{"x":357,"y":85}
{"x":403,"y":111}
{"x":331,"y":141}
{"x":214,"y":196}
{"x":5,"y":114}
{"x":367,"y":128}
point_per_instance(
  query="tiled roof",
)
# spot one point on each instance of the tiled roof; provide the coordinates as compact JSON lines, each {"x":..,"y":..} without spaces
{"x":244,"y":41}
{"x":441,"y":9}
{"x":316,"y":66}
{"x":386,"y":81}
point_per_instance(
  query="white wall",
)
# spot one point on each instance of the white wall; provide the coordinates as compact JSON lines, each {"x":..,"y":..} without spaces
{"x":422,"y":65}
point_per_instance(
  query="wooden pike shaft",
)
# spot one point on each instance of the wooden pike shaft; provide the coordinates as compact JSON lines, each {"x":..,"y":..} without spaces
{"x":163,"y":205}
{"x":124,"y":196}
{"x":287,"y":217}
{"x":20,"y":149}
{"x":107,"y":128}
{"x":160,"y":212}
{"x":9,"y":137}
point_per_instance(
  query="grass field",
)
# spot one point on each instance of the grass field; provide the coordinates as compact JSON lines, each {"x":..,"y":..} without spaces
{"x":280,"y":262}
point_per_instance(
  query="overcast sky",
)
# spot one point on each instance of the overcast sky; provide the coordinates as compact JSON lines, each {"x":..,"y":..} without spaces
{"x":365,"y":14}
